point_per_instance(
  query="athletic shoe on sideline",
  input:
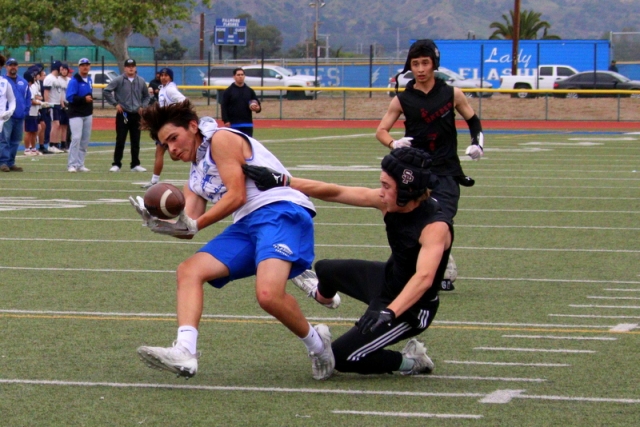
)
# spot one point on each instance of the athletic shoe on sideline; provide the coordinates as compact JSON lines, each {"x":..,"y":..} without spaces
{"x":308,"y":283}
{"x":55,"y":150}
{"x":83,"y":169}
{"x":148,"y":184}
{"x":138,"y":169}
{"x":15,"y":168}
{"x":418,"y":352}
{"x":44,"y":151}
{"x":323,"y":364}
{"x":176,"y":359}
{"x":35,"y":152}
{"x":114,"y":168}
{"x":72,"y":170}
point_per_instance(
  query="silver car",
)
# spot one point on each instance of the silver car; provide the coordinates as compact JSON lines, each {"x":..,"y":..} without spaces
{"x":451,"y":78}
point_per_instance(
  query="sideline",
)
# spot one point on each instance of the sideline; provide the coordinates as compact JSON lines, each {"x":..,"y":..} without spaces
{"x":106,"y":123}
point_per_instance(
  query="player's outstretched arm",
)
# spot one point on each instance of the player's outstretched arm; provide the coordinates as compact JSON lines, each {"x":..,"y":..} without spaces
{"x":266,"y":179}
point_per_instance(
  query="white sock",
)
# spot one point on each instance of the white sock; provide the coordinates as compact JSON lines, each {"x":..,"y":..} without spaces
{"x":313,"y":342}
{"x":155,"y":179}
{"x":188,"y":337}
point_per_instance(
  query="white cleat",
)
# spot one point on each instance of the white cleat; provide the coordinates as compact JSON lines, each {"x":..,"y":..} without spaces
{"x":323,"y":364}
{"x":176,"y":359}
{"x":308,"y":283}
{"x":418,"y":352}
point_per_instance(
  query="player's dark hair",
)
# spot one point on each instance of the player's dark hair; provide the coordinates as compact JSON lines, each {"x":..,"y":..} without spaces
{"x":410,"y":168}
{"x":235,"y":70}
{"x":179,"y":114}
{"x":420,"y":48}
{"x":3,"y":60}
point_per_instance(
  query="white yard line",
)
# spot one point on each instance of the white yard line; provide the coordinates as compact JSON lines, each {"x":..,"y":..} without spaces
{"x":533,"y":350}
{"x":555,"y":337}
{"x":533,"y":365}
{"x":407,"y":414}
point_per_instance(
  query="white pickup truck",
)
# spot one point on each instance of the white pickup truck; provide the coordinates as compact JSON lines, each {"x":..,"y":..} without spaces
{"x":546,"y":76}
{"x":271,"y":75}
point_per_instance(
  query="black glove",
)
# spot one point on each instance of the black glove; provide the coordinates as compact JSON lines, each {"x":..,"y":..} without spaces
{"x":374,"y":318}
{"x":266,"y":178}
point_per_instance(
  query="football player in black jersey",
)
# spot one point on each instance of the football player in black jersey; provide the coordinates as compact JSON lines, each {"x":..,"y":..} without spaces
{"x":400,"y":293}
{"x":429,"y":107}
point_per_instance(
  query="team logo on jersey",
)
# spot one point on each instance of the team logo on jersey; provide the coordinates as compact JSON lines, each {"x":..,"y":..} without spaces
{"x":282,"y":249}
{"x":407,"y":176}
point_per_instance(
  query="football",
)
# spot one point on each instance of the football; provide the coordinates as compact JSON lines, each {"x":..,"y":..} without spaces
{"x":164,"y":201}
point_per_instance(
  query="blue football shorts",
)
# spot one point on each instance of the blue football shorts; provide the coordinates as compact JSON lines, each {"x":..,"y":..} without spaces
{"x":281,"y":230}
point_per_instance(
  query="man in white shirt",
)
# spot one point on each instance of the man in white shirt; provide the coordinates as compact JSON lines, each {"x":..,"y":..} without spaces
{"x":168,"y":94}
{"x":52,"y":96}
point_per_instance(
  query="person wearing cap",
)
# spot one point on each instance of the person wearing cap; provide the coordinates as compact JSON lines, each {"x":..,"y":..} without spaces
{"x":402,"y":293}
{"x":7,"y":100}
{"x":168,"y":94}
{"x":13,"y":128}
{"x":79,"y":98}
{"x":237,"y":104}
{"x":129,"y":94}
{"x":429,"y":107}
{"x":53,"y":95}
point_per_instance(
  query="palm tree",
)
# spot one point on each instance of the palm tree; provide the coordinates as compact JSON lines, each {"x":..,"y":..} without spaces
{"x":530,"y":25}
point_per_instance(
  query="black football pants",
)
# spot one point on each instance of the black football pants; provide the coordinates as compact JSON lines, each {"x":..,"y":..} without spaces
{"x":365,"y":354}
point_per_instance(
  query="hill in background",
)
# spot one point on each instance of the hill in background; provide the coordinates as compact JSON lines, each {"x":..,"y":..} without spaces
{"x":354,"y":25}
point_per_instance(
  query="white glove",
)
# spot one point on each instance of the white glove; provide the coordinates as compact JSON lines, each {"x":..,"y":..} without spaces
{"x":401,"y":143}
{"x":45,"y":105}
{"x":138,"y":204}
{"x":476,"y":149}
{"x":6,"y":115}
{"x":184,"y":226}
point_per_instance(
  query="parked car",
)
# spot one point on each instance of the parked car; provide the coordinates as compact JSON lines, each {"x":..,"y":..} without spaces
{"x":544,"y":78}
{"x":599,"y":80}
{"x":100,"y":78}
{"x":270,"y":75}
{"x":451,"y":78}
{"x":220,"y":72}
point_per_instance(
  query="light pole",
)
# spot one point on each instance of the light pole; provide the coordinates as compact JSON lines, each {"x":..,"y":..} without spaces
{"x":317,"y":4}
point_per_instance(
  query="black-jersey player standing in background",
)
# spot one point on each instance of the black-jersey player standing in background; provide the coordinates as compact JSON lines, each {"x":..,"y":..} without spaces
{"x":238,"y":103}
{"x":400,"y":295}
{"x":428,"y":105}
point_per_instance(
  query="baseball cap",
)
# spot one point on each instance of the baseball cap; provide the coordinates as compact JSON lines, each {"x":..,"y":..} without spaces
{"x":167,"y":71}
{"x":11,"y":61}
{"x":130,"y":63}
{"x":55,"y":66}
{"x":84,"y":61}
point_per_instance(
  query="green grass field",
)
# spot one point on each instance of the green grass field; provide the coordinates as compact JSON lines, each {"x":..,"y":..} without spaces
{"x":540,"y":331}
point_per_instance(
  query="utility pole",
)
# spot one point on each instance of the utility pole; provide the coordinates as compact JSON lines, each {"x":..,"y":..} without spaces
{"x":201,"y":36}
{"x":317,"y":4}
{"x":515,"y":38}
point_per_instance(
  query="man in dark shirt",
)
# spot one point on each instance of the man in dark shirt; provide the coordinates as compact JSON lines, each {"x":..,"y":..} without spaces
{"x":613,"y":67}
{"x":238,"y":102}
{"x":401,"y":293}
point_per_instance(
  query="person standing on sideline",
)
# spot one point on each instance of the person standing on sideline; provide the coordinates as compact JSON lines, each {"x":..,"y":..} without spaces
{"x":614,"y":67}
{"x":168,"y":94}
{"x":129,"y":94}
{"x":13,"y":128}
{"x":238,"y":103}
{"x":428,"y":106}
{"x":154,"y":88}
{"x":63,"y":82}
{"x":52,"y":96}
{"x":80,"y":100}
{"x":400,"y":293}
{"x":33,"y":122}
{"x":271,"y":236}
{"x":7,"y":101}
